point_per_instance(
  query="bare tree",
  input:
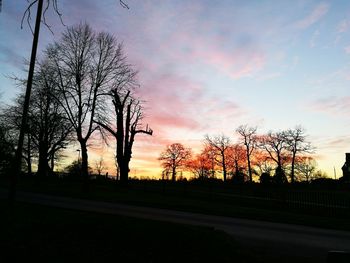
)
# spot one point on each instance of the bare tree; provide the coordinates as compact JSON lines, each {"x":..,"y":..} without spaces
{"x":236,"y":156}
{"x":248,"y":139}
{"x":38,"y":20}
{"x":306,"y":169}
{"x":99,"y":166}
{"x":200,"y":166}
{"x":297,"y":144}
{"x":128,"y":117}
{"x":275,"y":144}
{"x":174,"y":157}
{"x":220,"y":143}
{"x":87,"y":66}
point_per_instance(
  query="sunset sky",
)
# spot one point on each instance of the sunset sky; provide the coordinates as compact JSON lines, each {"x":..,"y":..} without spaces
{"x":205,"y":67}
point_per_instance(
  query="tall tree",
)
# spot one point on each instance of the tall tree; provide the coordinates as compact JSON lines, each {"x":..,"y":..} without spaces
{"x":248,"y":139}
{"x":87,"y":65}
{"x":297,"y":144}
{"x":128,"y":117}
{"x":50,"y":128}
{"x":174,"y":157}
{"x":220,"y":143}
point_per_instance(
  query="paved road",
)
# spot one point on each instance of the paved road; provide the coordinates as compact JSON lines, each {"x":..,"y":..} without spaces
{"x":280,"y":240}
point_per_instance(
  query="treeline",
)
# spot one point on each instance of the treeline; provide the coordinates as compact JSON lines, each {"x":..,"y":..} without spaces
{"x":275,"y":157}
{"x":83,"y":84}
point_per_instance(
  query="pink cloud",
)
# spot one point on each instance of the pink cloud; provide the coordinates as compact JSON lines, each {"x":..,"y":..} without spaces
{"x":317,"y":13}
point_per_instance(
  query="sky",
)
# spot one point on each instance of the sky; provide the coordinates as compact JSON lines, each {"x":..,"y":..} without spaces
{"x":206,"y":67}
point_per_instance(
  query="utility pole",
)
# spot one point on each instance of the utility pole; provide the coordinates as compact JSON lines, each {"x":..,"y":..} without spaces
{"x":18,"y":156}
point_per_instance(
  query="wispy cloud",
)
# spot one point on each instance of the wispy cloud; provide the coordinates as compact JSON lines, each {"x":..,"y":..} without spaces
{"x":316,"y":14}
{"x":343,"y":26}
{"x":334,"y":106}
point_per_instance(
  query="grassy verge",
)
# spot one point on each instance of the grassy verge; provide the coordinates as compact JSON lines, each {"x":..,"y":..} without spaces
{"x":41,"y":234}
{"x":182,"y":197}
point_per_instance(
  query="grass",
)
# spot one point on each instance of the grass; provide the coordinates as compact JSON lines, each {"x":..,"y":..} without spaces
{"x":42,"y":234}
{"x":186,"y":197}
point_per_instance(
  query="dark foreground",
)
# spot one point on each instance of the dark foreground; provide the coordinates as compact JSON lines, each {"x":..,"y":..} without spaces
{"x":105,"y":236}
{"x":34,"y":233}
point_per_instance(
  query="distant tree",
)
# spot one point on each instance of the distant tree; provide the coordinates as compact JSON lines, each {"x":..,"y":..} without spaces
{"x":249,"y":140}
{"x":99,"y":166}
{"x":275,"y":145}
{"x":74,"y":169}
{"x":175,"y":157}
{"x":200,"y":166}
{"x":306,"y":169}
{"x":87,"y":66}
{"x":220,"y":143}
{"x":262,"y":162}
{"x":236,"y":160}
{"x":210,"y":153}
{"x":296,"y":144}
{"x":265,"y":178}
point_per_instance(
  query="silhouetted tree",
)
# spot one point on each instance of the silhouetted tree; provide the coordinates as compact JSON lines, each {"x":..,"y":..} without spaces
{"x":275,"y":144}
{"x":220,"y":143}
{"x":236,"y":160}
{"x":87,"y":65}
{"x":306,"y":169}
{"x":11,"y":117}
{"x":296,"y":144}
{"x":262,"y":162}
{"x":174,"y":157}
{"x":249,"y":140}
{"x":99,"y":166}
{"x":50,"y":128}
{"x":200,"y":166}
{"x":128,"y":117}
{"x":7,"y":147}
{"x":265,"y":178}
{"x":27,"y":15}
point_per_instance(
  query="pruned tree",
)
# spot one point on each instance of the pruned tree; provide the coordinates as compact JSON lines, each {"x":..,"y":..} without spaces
{"x":249,"y":140}
{"x":220,"y":143}
{"x":87,"y":65}
{"x":128,"y":114}
{"x":296,"y":144}
{"x":174,"y":157}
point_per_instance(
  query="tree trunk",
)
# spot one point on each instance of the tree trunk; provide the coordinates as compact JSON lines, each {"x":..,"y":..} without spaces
{"x":173,"y":176}
{"x":52,"y":160}
{"x":124,"y":172}
{"x":29,"y":153}
{"x":43,"y":165}
{"x":292,"y":169}
{"x":224,"y":167}
{"x":249,"y":168}
{"x":84,"y":165}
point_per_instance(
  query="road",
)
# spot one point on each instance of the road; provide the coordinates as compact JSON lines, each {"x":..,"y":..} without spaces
{"x":275,"y":239}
